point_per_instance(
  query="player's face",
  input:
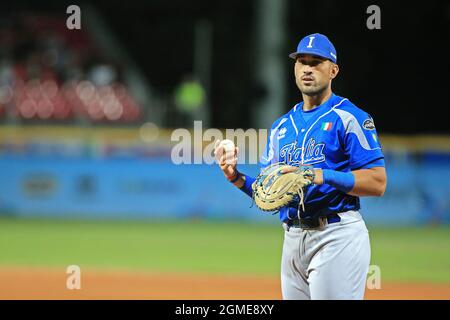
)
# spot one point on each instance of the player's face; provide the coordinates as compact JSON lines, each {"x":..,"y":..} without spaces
{"x":313,"y":74}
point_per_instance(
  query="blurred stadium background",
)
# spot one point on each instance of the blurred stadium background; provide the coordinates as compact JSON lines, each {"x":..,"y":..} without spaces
{"x":86,"y":118}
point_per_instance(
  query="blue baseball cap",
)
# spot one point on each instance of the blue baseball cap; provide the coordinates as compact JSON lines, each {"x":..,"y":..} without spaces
{"x":316,"y":44}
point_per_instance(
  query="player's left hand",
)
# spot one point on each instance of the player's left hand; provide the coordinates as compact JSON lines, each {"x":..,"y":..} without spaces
{"x":278,"y":185}
{"x":318,"y":176}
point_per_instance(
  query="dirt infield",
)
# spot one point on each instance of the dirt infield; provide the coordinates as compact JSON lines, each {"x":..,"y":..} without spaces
{"x":40,"y":283}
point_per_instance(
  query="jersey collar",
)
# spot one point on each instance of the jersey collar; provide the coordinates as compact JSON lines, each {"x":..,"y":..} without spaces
{"x":326,"y":105}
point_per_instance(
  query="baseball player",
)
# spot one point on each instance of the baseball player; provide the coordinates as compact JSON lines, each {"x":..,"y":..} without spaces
{"x":326,"y":249}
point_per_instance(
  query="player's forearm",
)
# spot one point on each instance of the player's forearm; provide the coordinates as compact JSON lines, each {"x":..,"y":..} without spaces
{"x":237,"y":179}
{"x":363,"y":182}
{"x":369,"y":182}
{"x":244,"y":183}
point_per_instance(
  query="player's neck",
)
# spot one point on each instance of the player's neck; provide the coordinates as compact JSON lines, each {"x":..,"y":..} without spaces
{"x":311,"y":102}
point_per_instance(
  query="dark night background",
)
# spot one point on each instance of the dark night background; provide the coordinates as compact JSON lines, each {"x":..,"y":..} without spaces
{"x":398,"y":74}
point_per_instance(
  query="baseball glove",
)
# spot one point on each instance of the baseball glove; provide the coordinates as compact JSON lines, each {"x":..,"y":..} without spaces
{"x":274,"y":189}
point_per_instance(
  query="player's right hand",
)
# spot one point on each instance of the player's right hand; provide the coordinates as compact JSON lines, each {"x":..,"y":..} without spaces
{"x":226,"y":158}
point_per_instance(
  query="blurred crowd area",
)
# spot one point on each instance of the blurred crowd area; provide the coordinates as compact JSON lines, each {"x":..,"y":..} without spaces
{"x":50,"y":74}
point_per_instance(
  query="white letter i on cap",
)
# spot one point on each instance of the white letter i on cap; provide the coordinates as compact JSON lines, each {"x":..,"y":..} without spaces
{"x":310,"y":42}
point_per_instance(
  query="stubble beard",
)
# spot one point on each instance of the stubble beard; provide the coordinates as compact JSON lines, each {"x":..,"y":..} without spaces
{"x":312,"y":90}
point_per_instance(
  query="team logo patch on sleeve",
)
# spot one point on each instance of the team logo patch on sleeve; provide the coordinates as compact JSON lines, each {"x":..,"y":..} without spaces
{"x":368,"y":124}
{"x":281,"y":133}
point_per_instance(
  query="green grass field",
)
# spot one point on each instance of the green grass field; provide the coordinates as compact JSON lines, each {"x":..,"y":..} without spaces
{"x":407,"y":254}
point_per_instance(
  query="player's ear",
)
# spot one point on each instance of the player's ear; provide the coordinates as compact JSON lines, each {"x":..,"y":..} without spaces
{"x":334,"y":71}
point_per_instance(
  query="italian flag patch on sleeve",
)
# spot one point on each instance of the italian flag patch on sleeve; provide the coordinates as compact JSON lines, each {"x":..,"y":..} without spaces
{"x":326,"y":126}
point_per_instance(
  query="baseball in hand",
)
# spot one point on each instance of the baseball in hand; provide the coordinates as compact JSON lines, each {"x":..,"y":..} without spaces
{"x":225,"y":152}
{"x":227,"y":144}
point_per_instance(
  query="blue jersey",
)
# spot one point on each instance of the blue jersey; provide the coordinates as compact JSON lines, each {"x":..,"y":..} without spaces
{"x":336,"y":135}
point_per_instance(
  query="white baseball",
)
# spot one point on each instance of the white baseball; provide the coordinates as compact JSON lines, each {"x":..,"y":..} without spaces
{"x":227,"y":144}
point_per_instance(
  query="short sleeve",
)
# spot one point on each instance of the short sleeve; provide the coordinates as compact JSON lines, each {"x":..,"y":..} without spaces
{"x":360,"y":137}
{"x":375,"y":163}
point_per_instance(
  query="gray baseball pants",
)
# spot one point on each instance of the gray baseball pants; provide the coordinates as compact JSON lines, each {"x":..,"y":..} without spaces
{"x":331,"y":263}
